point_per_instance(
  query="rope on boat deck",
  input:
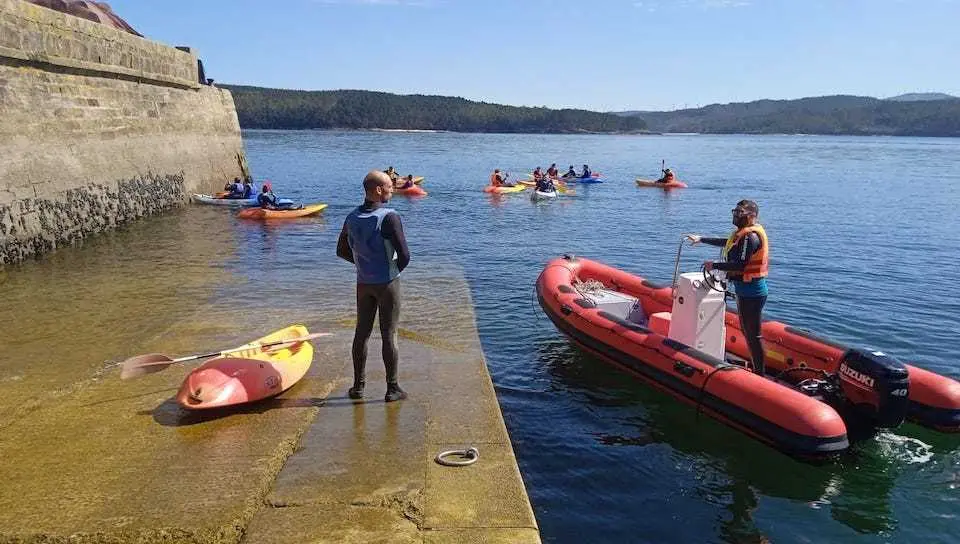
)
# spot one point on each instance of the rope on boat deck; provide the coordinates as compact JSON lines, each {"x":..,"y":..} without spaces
{"x":469,"y":456}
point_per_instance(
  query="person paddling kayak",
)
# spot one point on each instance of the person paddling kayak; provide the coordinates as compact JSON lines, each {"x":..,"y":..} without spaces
{"x":236,"y":189}
{"x":545,"y":185}
{"x":668,"y":176}
{"x":499,"y":179}
{"x":746,"y":255}
{"x":268,"y":201}
{"x":403,"y":183}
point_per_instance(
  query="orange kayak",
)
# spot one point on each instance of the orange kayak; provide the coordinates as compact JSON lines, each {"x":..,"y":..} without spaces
{"x":249,"y":375}
{"x":414,"y":190}
{"x":675,"y":184}
{"x":261,"y":213}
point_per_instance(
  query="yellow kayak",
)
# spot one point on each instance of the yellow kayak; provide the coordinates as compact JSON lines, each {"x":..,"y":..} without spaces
{"x":248,"y":375}
{"x":503,"y":190}
{"x":261,"y":213}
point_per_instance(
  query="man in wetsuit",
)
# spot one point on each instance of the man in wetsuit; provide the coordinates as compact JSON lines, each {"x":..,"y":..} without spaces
{"x":372,"y":239}
{"x":746,"y":260}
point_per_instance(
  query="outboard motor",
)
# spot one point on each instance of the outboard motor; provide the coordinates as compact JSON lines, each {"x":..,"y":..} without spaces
{"x":876,"y":385}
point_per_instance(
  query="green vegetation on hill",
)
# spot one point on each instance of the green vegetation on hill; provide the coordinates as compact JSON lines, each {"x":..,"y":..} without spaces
{"x":854,"y":115}
{"x":259,"y":107}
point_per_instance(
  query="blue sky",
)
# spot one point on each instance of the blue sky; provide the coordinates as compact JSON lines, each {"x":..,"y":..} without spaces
{"x":599,"y":54}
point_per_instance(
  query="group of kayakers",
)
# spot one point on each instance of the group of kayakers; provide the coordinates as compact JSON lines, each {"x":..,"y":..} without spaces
{"x":266,"y":199}
{"x":399,"y":182}
{"x":554,"y":173}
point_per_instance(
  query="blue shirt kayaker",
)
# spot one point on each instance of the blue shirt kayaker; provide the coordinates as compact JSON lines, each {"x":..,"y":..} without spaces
{"x":236,"y":189}
{"x":372,"y":239}
{"x":545,"y":185}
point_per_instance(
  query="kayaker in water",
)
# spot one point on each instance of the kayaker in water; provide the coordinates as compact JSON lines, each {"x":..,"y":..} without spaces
{"x":746,"y":256}
{"x":268,"y":201}
{"x":372,"y":239}
{"x":499,"y":179}
{"x":405,"y":184}
{"x":235,"y":188}
{"x":552,"y":172}
{"x":545,"y":185}
{"x":571,"y":173}
{"x":392,"y":173}
{"x":667,"y":176}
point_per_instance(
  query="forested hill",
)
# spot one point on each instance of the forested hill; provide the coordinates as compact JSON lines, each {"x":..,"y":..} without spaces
{"x":259,"y":107}
{"x":857,"y":115}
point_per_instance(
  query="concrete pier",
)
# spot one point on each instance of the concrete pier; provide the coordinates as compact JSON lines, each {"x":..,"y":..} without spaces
{"x":100,"y":460}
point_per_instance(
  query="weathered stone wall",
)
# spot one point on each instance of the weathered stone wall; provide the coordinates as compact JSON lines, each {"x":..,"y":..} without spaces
{"x":97,"y":127}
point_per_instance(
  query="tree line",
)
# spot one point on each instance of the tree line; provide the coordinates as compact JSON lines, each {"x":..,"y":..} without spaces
{"x":839,"y":115}
{"x":259,"y":107}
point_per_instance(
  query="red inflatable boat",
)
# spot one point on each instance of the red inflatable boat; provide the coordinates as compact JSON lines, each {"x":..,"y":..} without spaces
{"x":691,"y":347}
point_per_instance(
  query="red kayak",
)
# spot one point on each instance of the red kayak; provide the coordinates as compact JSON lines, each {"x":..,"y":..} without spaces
{"x":814,"y":388}
{"x":413,"y":190}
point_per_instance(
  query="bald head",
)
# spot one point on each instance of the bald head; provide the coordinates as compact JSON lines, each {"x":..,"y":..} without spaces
{"x":374,"y":179}
{"x":377,"y":185}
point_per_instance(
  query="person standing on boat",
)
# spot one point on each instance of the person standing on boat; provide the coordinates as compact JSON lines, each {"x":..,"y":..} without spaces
{"x":746,"y":255}
{"x":372,"y":239}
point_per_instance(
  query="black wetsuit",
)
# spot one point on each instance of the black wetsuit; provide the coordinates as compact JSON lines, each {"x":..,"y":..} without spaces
{"x":373,"y":298}
{"x":751,"y":296}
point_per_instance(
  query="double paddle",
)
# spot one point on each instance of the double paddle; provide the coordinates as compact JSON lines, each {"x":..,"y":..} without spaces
{"x":141,"y":365}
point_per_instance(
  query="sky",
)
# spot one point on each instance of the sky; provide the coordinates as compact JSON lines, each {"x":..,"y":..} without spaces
{"x":604,"y":55}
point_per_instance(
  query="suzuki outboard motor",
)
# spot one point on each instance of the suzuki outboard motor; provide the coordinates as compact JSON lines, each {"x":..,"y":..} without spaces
{"x":876,"y":385}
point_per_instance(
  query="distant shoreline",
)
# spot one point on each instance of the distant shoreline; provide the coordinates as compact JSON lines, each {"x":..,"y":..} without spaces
{"x":429,"y":131}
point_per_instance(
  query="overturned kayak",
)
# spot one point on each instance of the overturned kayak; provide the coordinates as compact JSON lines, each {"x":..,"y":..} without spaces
{"x":504,"y":189}
{"x":218,"y":201}
{"x":814,"y":389}
{"x":246,"y":376}
{"x":261,"y":213}
{"x":543,"y":195}
{"x":675,"y":184}
{"x":413,"y":190}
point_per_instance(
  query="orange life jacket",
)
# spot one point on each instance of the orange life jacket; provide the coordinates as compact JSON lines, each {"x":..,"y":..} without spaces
{"x":759,"y":263}
{"x":495,"y":180}
{"x":669,"y":177}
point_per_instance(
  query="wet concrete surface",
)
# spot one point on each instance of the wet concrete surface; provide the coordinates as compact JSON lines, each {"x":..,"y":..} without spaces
{"x":94,"y":459}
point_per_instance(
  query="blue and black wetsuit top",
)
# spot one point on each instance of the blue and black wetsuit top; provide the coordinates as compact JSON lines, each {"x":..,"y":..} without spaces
{"x":267,"y":200}
{"x":545,"y":185}
{"x":737,"y":257}
{"x":372,"y":238}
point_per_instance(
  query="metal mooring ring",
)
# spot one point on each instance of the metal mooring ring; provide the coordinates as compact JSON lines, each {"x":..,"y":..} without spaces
{"x":470,"y":456}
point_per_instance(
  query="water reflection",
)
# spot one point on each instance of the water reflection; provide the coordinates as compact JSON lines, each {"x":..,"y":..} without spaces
{"x":731,"y":470}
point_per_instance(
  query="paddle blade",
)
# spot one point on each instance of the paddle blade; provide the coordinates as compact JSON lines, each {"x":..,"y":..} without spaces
{"x":141,"y":365}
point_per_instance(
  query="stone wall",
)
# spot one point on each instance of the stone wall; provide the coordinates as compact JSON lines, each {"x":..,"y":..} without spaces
{"x":98,"y":127}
